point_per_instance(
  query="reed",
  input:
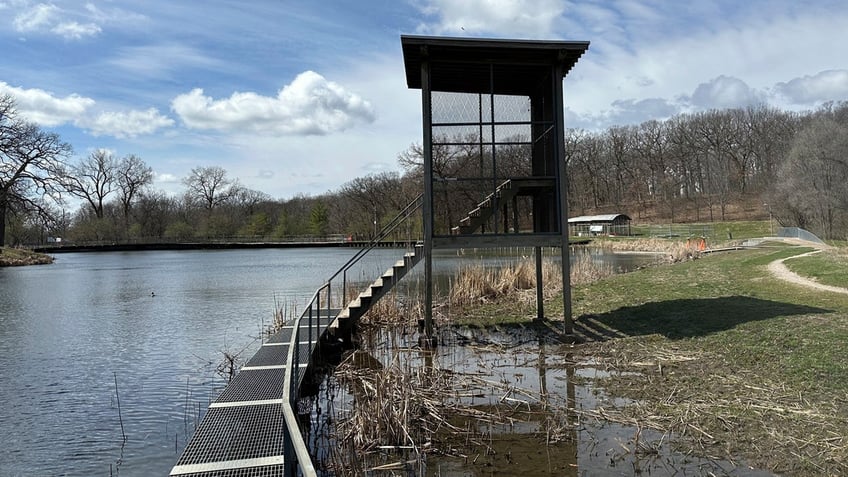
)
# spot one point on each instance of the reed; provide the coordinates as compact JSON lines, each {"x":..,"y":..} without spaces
{"x":403,"y":411}
{"x":477,"y":284}
{"x":669,"y":250}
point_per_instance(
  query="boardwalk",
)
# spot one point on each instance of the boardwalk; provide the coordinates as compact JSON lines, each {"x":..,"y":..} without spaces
{"x":243,"y":433}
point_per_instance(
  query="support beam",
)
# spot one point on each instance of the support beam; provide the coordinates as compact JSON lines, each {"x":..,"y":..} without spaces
{"x":427,"y":206}
{"x":540,"y":286}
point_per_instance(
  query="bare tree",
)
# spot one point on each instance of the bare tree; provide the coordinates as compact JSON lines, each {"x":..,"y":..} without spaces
{"x":813,"y":187}
{"x":210,"y":186}
{"x":93,"y":179}
{"x":133,"y":175}
{"x":31,"y":164}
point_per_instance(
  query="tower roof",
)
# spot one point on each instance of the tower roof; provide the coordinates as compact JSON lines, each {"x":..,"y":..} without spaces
{"x":469,"y":64}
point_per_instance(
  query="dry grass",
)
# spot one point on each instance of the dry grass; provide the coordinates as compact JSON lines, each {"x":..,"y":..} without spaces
{"x":725,"y":413}
{"x":13,"y":257}
{"x":393,"y":309}
{"x":476,"y":284}
{"x":414,"y":410}
{"x":673,"y":250}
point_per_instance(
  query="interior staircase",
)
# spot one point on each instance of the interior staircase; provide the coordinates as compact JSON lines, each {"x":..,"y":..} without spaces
{"x":503,"y":194}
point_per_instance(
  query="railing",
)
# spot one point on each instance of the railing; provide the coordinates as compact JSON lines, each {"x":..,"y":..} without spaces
{"x":297,"y":458}
{"x":329,"y":238}
{"x":389,"y":228}
{"x":799,"y":233}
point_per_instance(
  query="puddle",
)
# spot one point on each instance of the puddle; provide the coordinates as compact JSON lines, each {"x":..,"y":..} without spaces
{"x":524,"y":399}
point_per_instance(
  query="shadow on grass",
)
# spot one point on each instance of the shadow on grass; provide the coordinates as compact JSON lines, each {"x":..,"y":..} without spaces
{"x":676,"y":319}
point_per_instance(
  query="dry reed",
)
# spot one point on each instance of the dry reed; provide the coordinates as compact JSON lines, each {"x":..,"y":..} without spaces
{"x":420,"y":410}
{"x":671,"y":250}
{"x":477,"y":284}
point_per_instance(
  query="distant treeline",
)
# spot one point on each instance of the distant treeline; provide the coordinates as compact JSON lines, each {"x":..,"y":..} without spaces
{"x":691,"y":167}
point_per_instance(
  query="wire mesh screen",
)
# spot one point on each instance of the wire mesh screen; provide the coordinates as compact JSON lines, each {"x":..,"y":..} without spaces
{"x":484,"y":148}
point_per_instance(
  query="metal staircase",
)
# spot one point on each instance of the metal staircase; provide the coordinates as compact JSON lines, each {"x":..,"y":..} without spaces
{"x":362,"y":303}
{"x":508,"y":191}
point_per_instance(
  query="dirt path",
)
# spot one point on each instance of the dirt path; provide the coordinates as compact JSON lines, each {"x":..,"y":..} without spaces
{"x":779,"y":270}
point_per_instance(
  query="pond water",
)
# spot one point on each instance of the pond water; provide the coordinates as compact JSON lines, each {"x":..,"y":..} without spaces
{"x":533,"y":407}
{"x":99,"y":346}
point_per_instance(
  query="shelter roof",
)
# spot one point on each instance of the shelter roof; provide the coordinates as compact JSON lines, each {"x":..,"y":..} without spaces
{"x":468,"y":64}
{"x":606,"y":218}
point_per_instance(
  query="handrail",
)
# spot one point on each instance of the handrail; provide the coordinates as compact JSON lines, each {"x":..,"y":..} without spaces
{"x":313,"y":309}
{"x":393,"y":224}
{"x":295,"y":439}
{"x":389,"y":228}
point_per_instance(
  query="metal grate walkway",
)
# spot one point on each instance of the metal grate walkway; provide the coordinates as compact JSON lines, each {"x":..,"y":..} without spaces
{"x":243,"y":432}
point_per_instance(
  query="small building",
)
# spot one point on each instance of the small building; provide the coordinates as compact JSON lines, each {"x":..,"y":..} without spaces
{"x":591,"y":225}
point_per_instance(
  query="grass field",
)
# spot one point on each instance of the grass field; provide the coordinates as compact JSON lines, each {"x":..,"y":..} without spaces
{"x":829,"y":267}
{"x":714,"y":231}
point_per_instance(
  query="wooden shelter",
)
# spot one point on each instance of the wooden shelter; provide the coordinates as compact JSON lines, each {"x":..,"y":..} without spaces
{"x":494,"y":134}
{"x":607,"y":224}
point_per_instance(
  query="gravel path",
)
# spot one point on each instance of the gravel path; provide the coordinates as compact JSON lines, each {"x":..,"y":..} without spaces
{"x":779,"y":270}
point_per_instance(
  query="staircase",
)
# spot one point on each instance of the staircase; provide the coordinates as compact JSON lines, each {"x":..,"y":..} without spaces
{"x":381,"y":286}
{"x":503,"y":194}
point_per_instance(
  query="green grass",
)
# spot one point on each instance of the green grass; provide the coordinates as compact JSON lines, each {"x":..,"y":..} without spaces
{"x":714,"y":231}
{"x":829,"y":267}
{"x":729,"y":301}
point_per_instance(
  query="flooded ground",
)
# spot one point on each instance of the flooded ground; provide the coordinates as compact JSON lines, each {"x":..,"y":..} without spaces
{"x":486,"y":402}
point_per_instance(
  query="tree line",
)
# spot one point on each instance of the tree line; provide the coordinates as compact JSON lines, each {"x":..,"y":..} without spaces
{"x":790,"y":166}
{"x":691,"y":167}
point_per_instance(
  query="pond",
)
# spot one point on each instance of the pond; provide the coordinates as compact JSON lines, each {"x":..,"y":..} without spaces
{"x":513,"y":401}
{"x":144,"y":332}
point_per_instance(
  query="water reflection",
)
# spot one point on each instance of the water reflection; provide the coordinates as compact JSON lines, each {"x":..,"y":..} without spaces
{"x":531,"y":405}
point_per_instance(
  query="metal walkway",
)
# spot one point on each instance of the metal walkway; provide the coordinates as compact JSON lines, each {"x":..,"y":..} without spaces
{"x":243,"y":433}
{"x":251,"y":430}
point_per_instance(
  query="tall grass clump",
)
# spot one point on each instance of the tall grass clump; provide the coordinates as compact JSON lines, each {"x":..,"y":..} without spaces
{"x":671,"y":250}
{"x":475,"y":284}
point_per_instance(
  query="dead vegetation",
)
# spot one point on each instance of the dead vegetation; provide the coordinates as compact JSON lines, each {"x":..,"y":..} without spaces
{"x":15,"y":257}
{"x":671,"y":251}
{"x":407,"y":409}
{"x":713,"y":409}
{"x":475,"y":284}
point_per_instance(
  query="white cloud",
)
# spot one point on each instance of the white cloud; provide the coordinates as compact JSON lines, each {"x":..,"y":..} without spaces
{"x":127,"y":124}
{"x":509,"y":17}
{"x":75,"y":31}
{"x":166,"y":178}
{"x":162,"y":59}
{"x":831,"y":85}
{"x":44,"y":108}
{"x":49,"y":18}
{"x":310,"y":105}
{"x":35,"y":18}
{"x":672,"y":53}
{"x":725,"y":92}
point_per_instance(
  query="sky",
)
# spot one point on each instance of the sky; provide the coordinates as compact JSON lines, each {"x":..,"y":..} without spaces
{"x":298,"y":97}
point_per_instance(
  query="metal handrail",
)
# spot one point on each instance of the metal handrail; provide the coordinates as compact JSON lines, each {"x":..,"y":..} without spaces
{"x":295,"y":443}
{"x":387,"y":229}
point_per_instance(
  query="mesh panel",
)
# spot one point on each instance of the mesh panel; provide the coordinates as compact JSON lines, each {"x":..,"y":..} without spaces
{"x":236,"y":433}
{"x":264,"y":471}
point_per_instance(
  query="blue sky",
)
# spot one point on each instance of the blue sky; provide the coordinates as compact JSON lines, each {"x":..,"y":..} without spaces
{"x":300,"y":96}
